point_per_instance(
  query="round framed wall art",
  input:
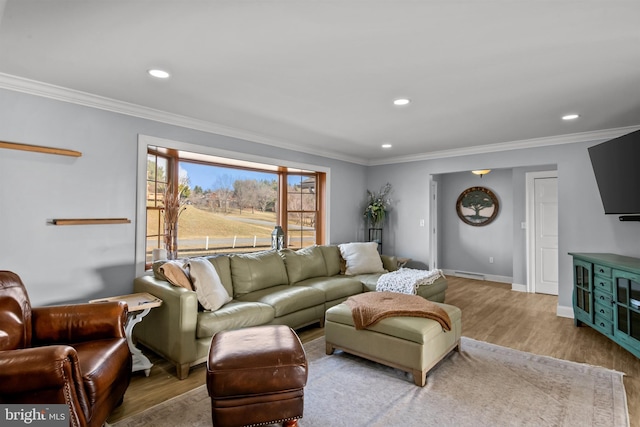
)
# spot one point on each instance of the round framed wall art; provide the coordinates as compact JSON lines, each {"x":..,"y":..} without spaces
{"x":477,"y":206}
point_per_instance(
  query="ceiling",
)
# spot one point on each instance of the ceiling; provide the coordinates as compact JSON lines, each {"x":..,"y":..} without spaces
{"x":320,"y":76}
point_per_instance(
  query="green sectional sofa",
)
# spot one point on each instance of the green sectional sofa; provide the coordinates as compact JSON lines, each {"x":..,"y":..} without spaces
{"x":286,"y":287}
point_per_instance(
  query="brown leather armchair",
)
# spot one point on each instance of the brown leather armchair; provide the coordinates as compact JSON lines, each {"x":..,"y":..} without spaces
{"x":70,"y":354}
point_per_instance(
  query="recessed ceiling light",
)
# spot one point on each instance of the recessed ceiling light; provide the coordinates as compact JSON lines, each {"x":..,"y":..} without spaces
{"x":401,"y":101}
{"x":570,"y":117}
{"x":161,"y":74}
{"x":387,"y":145}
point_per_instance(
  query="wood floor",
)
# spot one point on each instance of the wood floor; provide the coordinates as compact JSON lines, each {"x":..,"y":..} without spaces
{"x":491,"y":312}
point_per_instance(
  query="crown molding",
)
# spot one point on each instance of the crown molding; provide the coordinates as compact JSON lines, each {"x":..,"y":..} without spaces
{"x":59,"y":93}
{"x":571,"y":138}
{"x":46,"y":90}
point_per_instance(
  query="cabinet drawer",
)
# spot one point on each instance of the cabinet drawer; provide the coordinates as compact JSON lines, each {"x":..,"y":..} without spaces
{"x":604,"y":284}
{"x":603,"y":325}
{"x":602,"y":297}
{"x":604,"y":311}
{"x":601,"y":270}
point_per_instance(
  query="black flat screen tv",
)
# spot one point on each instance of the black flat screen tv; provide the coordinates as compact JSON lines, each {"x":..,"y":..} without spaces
{"x":616,"y":165}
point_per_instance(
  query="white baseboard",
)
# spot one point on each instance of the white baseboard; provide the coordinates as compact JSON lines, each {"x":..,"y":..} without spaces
{"x":564,"y":311}
{"x":518,"y":287}
{"x":478,"y":276}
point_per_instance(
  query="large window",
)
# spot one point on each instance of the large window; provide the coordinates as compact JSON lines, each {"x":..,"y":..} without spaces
{"x":226,"y":205}
{"x":302,"y":209}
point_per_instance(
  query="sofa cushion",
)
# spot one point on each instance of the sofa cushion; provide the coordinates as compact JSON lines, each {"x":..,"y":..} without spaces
{"x":407,"y":328}
{"x":334,"y":288}
{"x":369,"y":281}
{"x":259,"y":270}
{"x":361,"y":258}
{"x":304,"y":263}
{"x":286,"y":299}
{"x":233,"y":315}
{"x":332,"y":259}
{"x":208,"y":286}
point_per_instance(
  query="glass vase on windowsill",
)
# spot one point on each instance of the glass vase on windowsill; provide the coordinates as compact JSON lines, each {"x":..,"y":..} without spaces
{"x":171,"y":240}
{"x":172,"y":209}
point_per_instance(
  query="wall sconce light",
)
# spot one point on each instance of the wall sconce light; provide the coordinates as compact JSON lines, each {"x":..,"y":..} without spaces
{"x":481,"y":172}
{"x":277,"y":238}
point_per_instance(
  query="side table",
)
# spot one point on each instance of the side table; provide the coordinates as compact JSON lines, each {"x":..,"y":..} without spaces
{"x":139,"y":306}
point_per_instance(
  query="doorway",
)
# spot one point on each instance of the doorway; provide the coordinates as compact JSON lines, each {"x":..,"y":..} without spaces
{"x":433,"y":226}
{"x":542,"y":232}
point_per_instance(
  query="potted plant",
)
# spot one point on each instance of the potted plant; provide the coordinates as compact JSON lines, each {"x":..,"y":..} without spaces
{"x":377,"y":205}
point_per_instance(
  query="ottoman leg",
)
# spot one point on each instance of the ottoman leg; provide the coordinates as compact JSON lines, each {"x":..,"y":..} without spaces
{"x":290,"y":423}
{"x":420,"y":378}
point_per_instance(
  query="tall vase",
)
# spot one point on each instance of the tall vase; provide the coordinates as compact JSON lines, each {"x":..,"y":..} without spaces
{"x":171,"y":240}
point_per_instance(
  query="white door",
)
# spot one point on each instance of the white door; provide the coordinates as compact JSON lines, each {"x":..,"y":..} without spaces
{"x":546,"y":235}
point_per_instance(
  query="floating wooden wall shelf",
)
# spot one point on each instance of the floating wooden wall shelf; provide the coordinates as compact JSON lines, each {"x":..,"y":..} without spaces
{"x":87,"y":221}
{"x":39,"y":149}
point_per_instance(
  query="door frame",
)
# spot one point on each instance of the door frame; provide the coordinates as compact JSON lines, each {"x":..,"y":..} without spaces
{"x":433,"y":224}
{"x":530,"y":178}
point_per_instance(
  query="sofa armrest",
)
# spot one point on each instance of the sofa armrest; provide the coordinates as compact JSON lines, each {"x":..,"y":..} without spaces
{"x":170,"y":329}
{"x":78,"y":322}
{"x":390,"y":263}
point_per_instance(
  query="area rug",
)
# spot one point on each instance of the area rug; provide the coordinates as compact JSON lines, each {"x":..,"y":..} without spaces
{"x":482,"y":385}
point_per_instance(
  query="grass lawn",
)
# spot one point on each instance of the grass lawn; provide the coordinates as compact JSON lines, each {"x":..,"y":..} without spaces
{"x":196,"y":222}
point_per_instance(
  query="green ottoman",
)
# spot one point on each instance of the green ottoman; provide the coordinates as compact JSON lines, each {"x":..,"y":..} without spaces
{"x":412,"y":344}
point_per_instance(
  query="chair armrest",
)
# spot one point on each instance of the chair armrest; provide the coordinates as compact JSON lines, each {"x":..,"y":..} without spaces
{"x":37,"y":368}
{"x":78,"y":322}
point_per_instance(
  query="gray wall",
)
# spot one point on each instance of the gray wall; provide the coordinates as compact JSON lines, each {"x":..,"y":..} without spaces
{"x":583,"y":227}
{"x":78,"y":263}
{"x":465,"y":247}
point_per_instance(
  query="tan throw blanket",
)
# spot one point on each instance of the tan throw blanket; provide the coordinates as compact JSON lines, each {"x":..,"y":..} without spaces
{"x":371,"y":307}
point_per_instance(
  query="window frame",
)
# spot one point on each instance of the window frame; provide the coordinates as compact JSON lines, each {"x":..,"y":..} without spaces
{"x":282,"y":166}
{"x":284,"y":214}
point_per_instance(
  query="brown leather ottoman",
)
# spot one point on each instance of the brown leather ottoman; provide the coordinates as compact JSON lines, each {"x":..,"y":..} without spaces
{"x":256,"y":376}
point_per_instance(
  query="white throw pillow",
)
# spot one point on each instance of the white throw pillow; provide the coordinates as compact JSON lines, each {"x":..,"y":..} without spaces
{"x":361,"y":258}
{"x":208,"y":286}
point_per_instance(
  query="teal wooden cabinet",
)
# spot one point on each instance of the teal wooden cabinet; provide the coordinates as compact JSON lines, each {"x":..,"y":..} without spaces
{"x":606,"y":296}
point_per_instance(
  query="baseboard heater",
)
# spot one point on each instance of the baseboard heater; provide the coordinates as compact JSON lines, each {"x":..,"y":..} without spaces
{"x":468,"y":275}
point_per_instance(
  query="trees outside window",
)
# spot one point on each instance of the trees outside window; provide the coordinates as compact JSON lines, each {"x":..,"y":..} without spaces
{"x":226,"y":208}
